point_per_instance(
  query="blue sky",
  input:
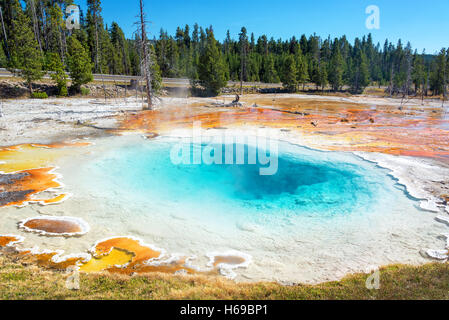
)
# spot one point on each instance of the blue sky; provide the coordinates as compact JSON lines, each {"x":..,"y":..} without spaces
{"x":424,"y":23}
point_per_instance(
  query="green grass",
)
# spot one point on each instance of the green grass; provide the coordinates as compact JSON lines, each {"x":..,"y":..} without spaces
{"x":39,"y":95}
{"x":397,"y":282}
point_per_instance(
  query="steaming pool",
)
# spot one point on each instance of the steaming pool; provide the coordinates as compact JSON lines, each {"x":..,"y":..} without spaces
{"x":321,"y":216}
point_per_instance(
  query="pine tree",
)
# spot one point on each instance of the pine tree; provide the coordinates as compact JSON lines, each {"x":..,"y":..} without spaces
{"x":211,"y":67}
{"x":302,"y":69}
{"x":58,"y":74}
{"x":322,"y":76}
{"x":55,"y":34}
{"x":445,"y":74}
{"x":360,"y":72}
{"x":3,"y":60}
{"x":336,"y":69}
{"x":289,"y":74}
{"x":25,"y":53}
{"x":122,"y":63}
{"x":419,"y":72}
{"x":156,"y":77}
{"x":109,"y":58}
{"x":95,"y":25}
{"x":79,"y":64}
{"x":268,"y":72}
{"x":314,"y":70}
{"x":438,"y":78}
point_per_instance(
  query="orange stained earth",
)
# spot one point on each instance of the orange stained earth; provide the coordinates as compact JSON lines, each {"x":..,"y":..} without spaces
{"x":330,"y":125}
{"x":46,"y":260}
{"x":29,"y":183}
{"x":140,"y":255}
{"x":59,"y":145}
{"x":118,"y":255}
{"x":53,"y":226}
{"x":5,"y":240}
{"x":230,"y":260}
{"x":26,"y":170}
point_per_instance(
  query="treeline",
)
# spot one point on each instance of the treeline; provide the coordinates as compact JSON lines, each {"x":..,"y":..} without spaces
{"x":296,"y":62}
{"x":36,"y":40}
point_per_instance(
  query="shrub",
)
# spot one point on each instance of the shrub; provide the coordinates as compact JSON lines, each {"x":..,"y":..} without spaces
{"x":63,"y":92}
{"x":85,"y":91}
{"x":39,"y":95}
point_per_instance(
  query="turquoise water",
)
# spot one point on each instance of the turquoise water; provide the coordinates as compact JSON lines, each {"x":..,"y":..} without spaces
{"x":307,"y":183}
{"x":321,"y":216}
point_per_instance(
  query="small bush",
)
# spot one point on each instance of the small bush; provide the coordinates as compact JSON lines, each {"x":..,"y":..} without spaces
{"x":39,"y":95}
{"x":85,"y":91}
{"x":63,"y":92}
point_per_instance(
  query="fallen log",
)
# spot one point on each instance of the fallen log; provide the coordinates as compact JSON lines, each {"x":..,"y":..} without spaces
{"x":225,"y":105}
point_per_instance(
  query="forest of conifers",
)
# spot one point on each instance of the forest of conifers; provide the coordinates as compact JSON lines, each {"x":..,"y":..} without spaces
{"x":35,"y":38}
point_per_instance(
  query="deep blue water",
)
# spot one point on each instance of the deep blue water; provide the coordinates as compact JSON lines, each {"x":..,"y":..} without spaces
{"x":307,"y":182}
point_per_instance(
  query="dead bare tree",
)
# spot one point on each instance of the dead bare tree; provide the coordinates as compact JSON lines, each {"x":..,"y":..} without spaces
{"x":444,"y":87}
{"x":406,"y":87}
{"x":36,"y":26}
{"x":243,"y":51}
{"x":408,"y":80}
{"x":391,"y":80}
{"x":44,"y":24}
{"x":98,"y":63}
{"x":146,"y":56}
{"x":4,"y":33}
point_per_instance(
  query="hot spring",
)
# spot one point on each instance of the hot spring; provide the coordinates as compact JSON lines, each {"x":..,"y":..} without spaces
{"x":320,"y":216}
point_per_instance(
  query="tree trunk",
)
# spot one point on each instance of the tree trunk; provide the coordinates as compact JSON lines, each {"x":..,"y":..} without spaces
{"x":36,"y":26}
{"x":96,"y":43}
{"x":61,"y":49}
{"x":391,"y":81}
{"x":145,"y":57}
{"x":242,"y":64}
{"x":444,"y":87}
{"x":422,"y":93}
{"x":4,"y":33}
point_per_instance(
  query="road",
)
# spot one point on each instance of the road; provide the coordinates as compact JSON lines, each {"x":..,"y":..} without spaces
{"x":4,"y":73}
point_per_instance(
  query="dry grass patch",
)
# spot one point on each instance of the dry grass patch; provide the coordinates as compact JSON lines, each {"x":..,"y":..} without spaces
{"x":397,"y":282}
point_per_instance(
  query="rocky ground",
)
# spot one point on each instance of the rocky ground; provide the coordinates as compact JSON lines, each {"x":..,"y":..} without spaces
{"x":45,"y":121}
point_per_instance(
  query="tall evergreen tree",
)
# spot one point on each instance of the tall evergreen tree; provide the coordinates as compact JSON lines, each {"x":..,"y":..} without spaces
{"x":336,"y":68}
{"x":121,"y":59}
{"x":438,"y":78}
{"x":419,"y":72}
{"x":289,"y":74}
{"x":322,"y":75}
{"x":95,"y":25}
{"x":360,"y":70}
{"x":58,"y":75}
{"x":55,"y":31}
{"x":25,"y":54}
{"x":79,"y":64}
{"x":3,"y":59}
{"x":211,"y":67}
{"x":268,"y":72}
{"x":156,"y":77}
{"x":301,"y":68}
